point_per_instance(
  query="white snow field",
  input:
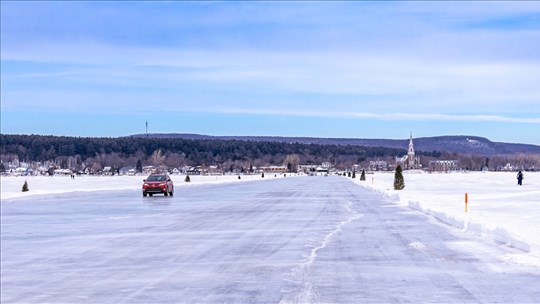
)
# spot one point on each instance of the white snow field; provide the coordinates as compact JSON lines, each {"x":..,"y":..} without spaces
{"x":281,"y":240}
{"x":498,"y":208}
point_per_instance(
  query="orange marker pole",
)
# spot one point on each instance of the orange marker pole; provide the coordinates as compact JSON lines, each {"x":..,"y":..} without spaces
{"x":466,"y":202}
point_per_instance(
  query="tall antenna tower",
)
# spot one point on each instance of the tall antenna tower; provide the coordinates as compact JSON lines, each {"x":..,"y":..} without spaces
{"x":147,"y":128}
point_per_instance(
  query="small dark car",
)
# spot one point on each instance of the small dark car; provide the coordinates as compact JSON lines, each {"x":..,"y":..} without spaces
{"x":158,"y":183}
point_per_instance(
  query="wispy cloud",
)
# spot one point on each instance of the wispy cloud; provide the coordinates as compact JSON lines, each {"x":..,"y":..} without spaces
{"x":348,"y":81}
{"x":388,"y":116}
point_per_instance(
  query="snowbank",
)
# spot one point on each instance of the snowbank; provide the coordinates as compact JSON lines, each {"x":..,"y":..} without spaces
{"x":11,"y":186}
{"x":498,"y":208}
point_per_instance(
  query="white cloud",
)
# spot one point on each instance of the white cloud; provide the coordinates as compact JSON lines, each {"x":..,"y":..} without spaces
{"x":388,"y":116}
{"x":260,"y":80}
{"x":353,"y":58}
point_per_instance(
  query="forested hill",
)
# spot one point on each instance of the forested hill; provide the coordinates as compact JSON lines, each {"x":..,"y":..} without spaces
{"x":473,"y":145}
{"x":197,"y":149}
{"x":190,"y":151}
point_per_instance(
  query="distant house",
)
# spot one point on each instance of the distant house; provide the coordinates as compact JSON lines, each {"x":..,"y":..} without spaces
{"x":214,"y":170}
{"x":307,"y":168}
{"x":507,"y":167}
{"x":63,"y":172}
{"x":378,"y":165}
{"x":193,"y":171}
{"x":274,"y":169}
{"x":21,"y":171}
{"x":443,"y":165}
{"x":356,"y":168}
{"x":324,"y":167}
{"x":128,"y":170}
{"x":148,"y":169}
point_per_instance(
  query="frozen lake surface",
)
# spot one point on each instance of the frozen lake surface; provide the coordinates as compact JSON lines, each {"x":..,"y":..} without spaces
{"x":288,"y":240}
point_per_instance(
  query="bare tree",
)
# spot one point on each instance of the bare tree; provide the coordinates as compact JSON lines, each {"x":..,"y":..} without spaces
{"x":292,"y":161}
{"x":157,"y":158}
{"x":96,"y":167}
{"x":175,"y":160}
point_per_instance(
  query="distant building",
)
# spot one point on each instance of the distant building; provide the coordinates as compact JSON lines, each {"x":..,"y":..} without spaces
{"x":378,"y":165}
{"x":63,"y":171}
{"x":443,"y":165}
{"x":508,"y":167}
{"x":148,"y":169}
{"x":409,"y":161}
{"x":324,"y":167}
{"x":311,"y":169}
{"x":274,"y":169}
{"x":213,"y":170}
{"x":128,"y":170}
{"x":193,"y":171}
{"x":307,"y":168}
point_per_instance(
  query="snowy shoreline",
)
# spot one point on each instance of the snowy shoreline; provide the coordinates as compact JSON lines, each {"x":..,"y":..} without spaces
{"x":498,"y":209}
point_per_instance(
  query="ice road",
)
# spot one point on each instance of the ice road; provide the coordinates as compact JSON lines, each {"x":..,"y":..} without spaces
{"x":290,"y":240}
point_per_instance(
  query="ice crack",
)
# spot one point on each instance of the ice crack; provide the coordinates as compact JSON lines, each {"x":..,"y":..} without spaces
{"x":306,"y":292}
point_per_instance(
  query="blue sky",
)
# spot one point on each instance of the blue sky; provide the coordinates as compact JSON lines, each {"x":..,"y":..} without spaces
{"x":321,"y":69}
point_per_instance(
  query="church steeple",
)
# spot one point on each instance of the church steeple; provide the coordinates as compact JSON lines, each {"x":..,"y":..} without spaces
{"x":411,"y":160}
{"x":411,"y":147}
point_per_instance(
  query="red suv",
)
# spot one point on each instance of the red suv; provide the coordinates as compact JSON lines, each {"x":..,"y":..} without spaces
{"x":158,"y":183}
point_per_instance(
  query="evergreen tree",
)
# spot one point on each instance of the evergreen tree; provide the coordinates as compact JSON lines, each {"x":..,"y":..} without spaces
{"x":399,"y":182}
{"x":363,"y":175}
{"x":349,"y":174}
{"x":354,"y":174}
{"x":187,"y":179}
{"x":138,"y":167}
{"x":25,"y":187}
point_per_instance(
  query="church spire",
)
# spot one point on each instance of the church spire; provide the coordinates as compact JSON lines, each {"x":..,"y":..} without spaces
{"x":411,"y":146}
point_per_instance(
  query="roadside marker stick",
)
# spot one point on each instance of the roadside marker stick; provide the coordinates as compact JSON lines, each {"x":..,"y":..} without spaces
{"x":466,"y":202}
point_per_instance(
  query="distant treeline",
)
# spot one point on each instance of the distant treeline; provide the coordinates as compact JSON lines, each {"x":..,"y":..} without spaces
{"x":187,"y":151}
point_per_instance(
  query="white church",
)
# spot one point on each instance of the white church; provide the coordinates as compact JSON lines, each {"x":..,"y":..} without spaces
{"x":409,"y":161}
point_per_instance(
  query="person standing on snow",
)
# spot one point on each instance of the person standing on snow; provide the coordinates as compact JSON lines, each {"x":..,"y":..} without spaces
{"x":520,"y":177}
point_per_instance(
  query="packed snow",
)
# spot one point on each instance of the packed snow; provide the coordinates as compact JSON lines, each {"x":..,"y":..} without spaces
{"x":498,"y":208}
{"x":281,"y":240}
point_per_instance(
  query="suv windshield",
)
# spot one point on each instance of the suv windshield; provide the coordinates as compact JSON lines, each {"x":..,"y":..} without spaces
{"x":156,"y":178}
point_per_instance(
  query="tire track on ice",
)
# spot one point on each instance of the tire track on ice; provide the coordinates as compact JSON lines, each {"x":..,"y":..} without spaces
{"x":306,"y":292}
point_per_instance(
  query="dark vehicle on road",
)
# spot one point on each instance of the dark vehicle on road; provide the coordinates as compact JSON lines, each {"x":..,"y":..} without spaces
{"x":158,"y":183}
